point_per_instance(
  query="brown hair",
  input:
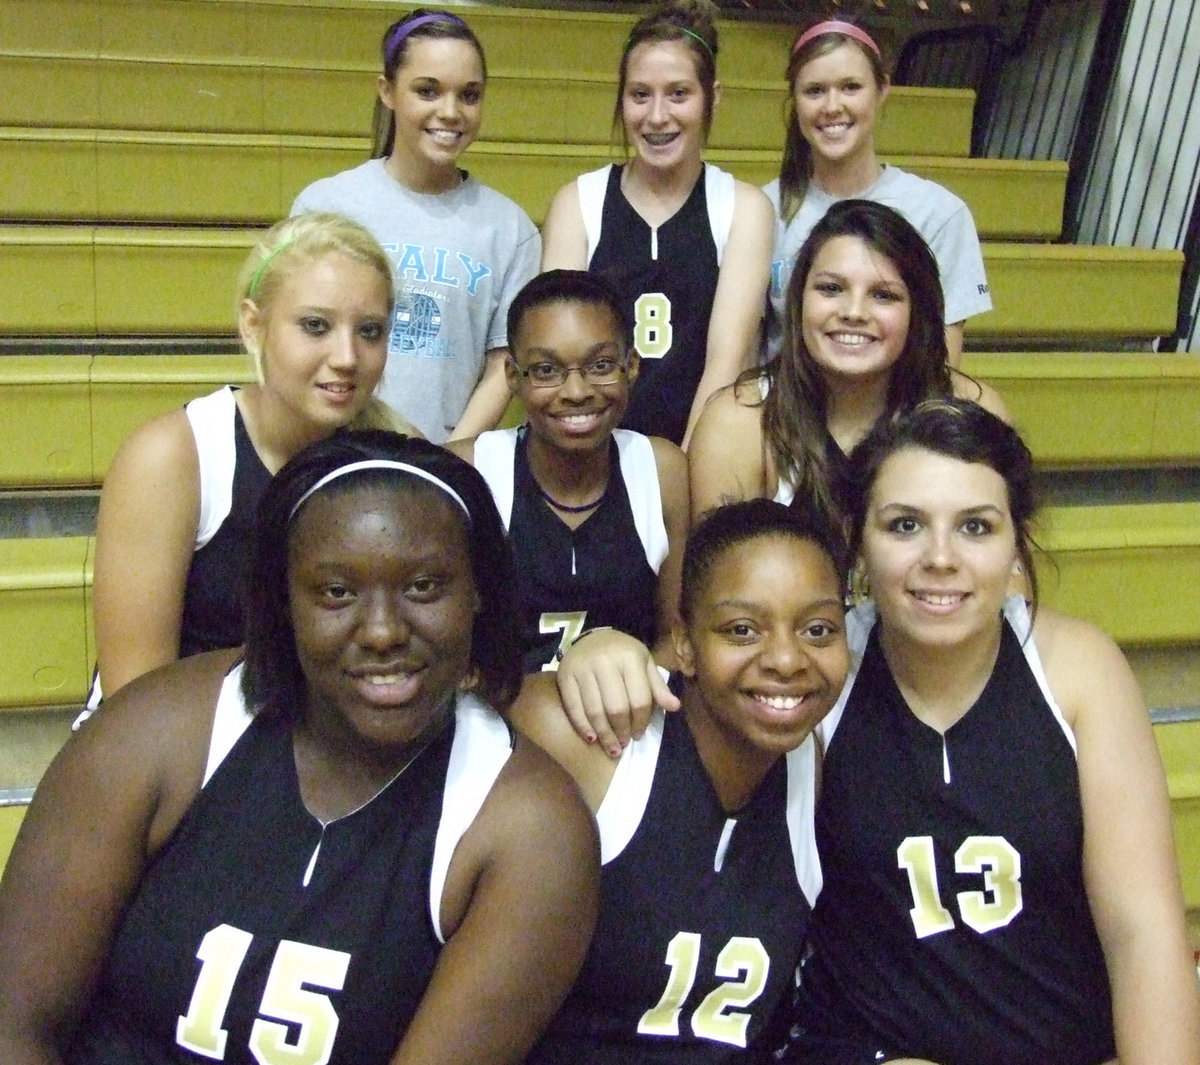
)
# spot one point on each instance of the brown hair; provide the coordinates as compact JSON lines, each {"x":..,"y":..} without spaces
{"x":691,"y":22}
{"x":432,"y":24}
{"x":795,"y":410}
{"x":795,"y":170}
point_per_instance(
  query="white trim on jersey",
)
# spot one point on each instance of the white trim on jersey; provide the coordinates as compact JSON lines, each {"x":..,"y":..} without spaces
{"x":861,"y":620}
{"x":1017,"y":613}
{"x":718,"y":193}
{"x":495,"y":453}
{"x":211,"y":418}
{"x":640,"y":473}
{"x":493,"y":457}
{"x":482,"y":745}
{"x":624,"y":803}
{"x":230,"y":720}
{"x":801,"y":814}
{"x":591,"y":188}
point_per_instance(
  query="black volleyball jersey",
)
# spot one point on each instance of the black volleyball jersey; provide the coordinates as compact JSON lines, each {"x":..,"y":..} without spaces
{"x":954,"y":924}
{"x":702,"y":912}
{"x":258,"y":935}
{"x":605,"y":572}
{"x":214,"y":601}
{"x":668,"y":274}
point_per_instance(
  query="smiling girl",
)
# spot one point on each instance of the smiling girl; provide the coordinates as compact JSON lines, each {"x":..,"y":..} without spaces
{"x":838,"y":86}
{"x":597,"y":515}
{"x":706,"y":828}
{"x":863,"y":340}
{"x":460,"y":250}
{"x":686,"y":245}
{"x":319,"y":852}
{"x":178,"y":504}
{"x":994,"y":827}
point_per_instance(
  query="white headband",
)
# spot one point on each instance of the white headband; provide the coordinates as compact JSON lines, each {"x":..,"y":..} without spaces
{"x":382,"y":464}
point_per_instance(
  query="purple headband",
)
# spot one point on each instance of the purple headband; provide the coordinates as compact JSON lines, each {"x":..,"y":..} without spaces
{"x":847,"y":29}
{"x":405,"y":28}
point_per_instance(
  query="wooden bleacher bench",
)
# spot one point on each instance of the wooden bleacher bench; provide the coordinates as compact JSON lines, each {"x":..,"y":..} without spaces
{"x":44,"y":621}
{"x":313,"y":35}
{"x":130,"y":175}
{"x":67,"y":414}
{"x":1077,"y":292}
{"x":1119,"y":566}
{"x":1132,"y":569}
{"x":45,"y":407}
{"x":1090,"y":409}
{"x":12,"y":813}
{"x":178,"y":281}
{"x":128,"y":391}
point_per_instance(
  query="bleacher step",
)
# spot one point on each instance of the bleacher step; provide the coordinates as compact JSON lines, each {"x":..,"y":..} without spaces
{"x":164,"y":280}
{"x":146,"y":176}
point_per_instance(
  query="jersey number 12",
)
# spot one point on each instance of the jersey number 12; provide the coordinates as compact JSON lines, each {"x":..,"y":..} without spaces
{"x":720,"y":1016}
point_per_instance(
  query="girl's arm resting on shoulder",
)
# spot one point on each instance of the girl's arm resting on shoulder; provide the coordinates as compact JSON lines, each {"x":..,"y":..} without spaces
{"x":609,"y":683}
{"x":522,"y":904}
{"x":737,"y":310}
{"x":564,"y":237}
{"x":489,"y":401}
{"x":538,"y":713}
{"x":145,"y":537}
{"x":101,"y":808}
{"x":1129,"y":859}
{"x":673,"y":488}
{"x":725,"y":460}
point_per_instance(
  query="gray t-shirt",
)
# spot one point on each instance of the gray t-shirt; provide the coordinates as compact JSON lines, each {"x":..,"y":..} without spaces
{"x":459,"y":259}
{"x":933,"y":210}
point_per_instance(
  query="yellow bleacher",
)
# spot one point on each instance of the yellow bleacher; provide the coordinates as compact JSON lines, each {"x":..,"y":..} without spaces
{"x":121,"y":175}
{"x":67,"y":414}
{"x":137,"y":280}
{"x":11,"y":816}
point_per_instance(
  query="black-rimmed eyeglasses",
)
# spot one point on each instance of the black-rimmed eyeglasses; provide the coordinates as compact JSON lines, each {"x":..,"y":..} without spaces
{"x":603,"y":371}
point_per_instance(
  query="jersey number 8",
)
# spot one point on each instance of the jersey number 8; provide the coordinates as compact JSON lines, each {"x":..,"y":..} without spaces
{"x":653,"y":333}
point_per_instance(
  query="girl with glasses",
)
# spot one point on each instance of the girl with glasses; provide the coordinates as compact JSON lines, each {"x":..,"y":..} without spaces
{"x":596,"y":514}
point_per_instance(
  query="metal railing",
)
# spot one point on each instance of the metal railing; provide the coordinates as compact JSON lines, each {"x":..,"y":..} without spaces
{"x":1108,"y":85}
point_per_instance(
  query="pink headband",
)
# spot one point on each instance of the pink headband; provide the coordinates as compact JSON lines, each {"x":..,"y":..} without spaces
{"x":847,"y":29}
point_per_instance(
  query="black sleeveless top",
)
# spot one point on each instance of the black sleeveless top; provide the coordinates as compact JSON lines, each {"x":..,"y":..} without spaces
{"x":214,"y":602}
{"x":669,"y":277}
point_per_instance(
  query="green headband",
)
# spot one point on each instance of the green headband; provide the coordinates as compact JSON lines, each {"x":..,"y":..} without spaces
{"x":256,"y":278}
{"x":695,"y":37}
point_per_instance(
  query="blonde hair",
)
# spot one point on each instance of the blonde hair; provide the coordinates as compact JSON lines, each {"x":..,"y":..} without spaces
{"x":295,"y":243}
